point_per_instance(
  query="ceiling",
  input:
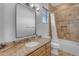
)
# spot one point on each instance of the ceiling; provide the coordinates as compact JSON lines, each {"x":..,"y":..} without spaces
{"x":56,"y":4}
{"x":64,"y":4}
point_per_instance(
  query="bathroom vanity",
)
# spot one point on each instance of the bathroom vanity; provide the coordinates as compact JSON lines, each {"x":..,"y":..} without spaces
{"x":43,"y":48}
{"x":20,"y":44}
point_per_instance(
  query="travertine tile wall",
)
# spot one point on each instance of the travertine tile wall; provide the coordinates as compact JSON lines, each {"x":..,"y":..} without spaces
{"x":67,"y":22}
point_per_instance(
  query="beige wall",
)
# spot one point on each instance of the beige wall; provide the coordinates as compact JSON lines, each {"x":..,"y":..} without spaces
{"x":67,"y":21}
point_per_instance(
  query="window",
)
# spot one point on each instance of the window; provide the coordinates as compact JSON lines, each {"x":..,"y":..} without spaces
{"x":45,"y":16}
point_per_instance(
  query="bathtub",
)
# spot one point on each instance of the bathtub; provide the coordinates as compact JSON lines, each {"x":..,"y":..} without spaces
{"x":54,"y":48}
{"x":69,"y":46}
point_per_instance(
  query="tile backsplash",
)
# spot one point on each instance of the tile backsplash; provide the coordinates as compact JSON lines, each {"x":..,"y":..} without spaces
{"x":67,"y":21}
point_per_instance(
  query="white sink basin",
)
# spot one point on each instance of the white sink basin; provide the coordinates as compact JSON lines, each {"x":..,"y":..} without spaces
{"x":32,"y":44}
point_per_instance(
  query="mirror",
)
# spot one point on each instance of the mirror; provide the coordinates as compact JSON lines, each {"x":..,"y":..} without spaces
{"x":25,"y":21}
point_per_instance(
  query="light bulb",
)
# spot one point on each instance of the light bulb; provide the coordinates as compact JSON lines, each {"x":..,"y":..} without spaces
{"x":37,"y":8}
{"x":31,"y":5}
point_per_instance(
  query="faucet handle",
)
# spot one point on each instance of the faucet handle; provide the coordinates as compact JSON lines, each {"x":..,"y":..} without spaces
{"x":2,"y":46}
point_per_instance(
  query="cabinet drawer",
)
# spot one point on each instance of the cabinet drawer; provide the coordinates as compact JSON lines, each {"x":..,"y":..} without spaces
{"x":39,"y":52}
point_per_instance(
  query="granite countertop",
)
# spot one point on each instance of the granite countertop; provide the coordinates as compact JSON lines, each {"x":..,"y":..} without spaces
{"x":20,"y":49}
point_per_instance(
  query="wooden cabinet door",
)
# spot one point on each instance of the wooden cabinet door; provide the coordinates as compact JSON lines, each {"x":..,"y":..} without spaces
{"x":48,"y":49}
